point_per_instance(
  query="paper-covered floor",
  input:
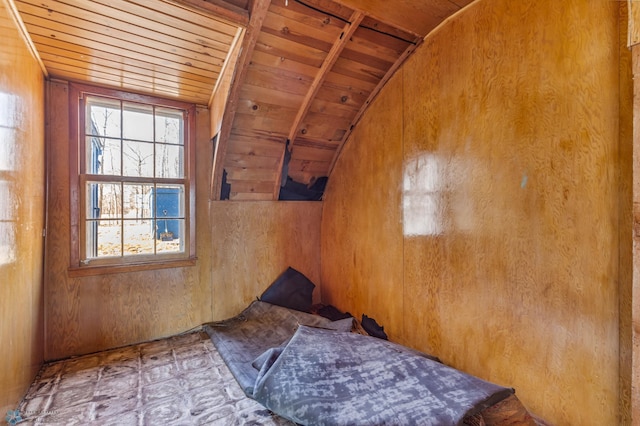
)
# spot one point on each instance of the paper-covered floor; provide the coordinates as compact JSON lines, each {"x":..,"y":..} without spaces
{"x":180,"y":380}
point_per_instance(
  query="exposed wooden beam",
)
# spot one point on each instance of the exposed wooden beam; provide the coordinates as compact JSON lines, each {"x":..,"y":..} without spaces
{"x":258,"y":13}
{"x":229,"y":63}
{"x":217,"y":9}
{"x":328,"y":63}
{"x":390,"y":72}
{"x":331,"y":58}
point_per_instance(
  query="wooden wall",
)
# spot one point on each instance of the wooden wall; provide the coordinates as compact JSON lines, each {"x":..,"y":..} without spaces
{"x":241,"y":249}
{"x":22,"y":198}
{"x":475,"y":210}
{"x":87,"y":314}
{"x":255,"y":241}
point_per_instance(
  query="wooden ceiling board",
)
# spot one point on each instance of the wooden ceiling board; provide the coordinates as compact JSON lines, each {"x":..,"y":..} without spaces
{"x":315,"y":126}
{"x":277,"y":80}
{"x":285,"y":48}
{"x":279,"y":62}
{"x":95,"y":20}
{"x":104,"y":40}
{"x":330,"y":92}
{"x":317,"y":36}
{"x":338,"y":108}
{"x":127,"y":85}
{"x":53,"y":55}
{"x":258,"y":135}
{"x":377,"y":44}
{"x":296,"y":15}
{"x":263,"y":110}
{"x":375,"y":25}
{"x":60,"y":63}
{"x":314,"y":168}
{"x":257,"y":94}
{"x":254,"y":146}
{"x":153,"y":64}
{"x":248,"y":175}
{"x":257,"y":187}
{"x":168,"y":12}
{"x":253,"y":161}
{"x":324,"y":154}
{"x":306,"y":69}
{"x":142,"y":80}
{"x":157,"y":47}
{"x":362,"y":85}
{"x":273,"y":124}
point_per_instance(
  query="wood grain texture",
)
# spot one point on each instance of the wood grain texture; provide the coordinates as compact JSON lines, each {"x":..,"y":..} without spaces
{"x":630,"y":307}
{"x":87,"y":314}
{"x":254,"y":242}
{"x":167,"y":48}
{"x":362,"y":228}
{"x":22,"y":206}
{"x":507,"y":204}
{"x":628,"y":398}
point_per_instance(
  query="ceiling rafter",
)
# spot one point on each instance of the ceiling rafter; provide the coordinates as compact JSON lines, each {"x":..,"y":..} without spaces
{"x":257,"y":15}
{"x":371,"y":97}
{"x":331,"y":58}
{"x":327,"y":65}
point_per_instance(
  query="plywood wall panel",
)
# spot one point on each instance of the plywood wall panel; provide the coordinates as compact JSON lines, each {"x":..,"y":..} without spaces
{"x":88,"y":314}
{"x":22,"y":199}
{"x":507,"y":203}
{"x":253,"y":242}
{"x":628,"y":398}
{"x":362,"y":229}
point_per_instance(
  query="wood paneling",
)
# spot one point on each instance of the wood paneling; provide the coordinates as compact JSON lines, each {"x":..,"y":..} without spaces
{"x":628,"y":397}
{"x":253,"y":242}
{"x":363,"y":266}
{"x":22,"y":199}
{"x":314,"y":67}
{"x":504,"y":209}
{"x":165,"y":48}
{"x":87,"y":314}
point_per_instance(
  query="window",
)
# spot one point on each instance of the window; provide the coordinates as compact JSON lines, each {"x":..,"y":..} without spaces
{"x":134,"y":180}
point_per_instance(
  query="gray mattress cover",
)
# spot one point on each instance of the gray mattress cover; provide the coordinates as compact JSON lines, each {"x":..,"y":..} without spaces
{"x":325,"y":377}
{"x":296,"y":365}
{"x":261,"y":326}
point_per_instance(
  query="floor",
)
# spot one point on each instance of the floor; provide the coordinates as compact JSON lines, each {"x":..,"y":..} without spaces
{"x":180,"y":380}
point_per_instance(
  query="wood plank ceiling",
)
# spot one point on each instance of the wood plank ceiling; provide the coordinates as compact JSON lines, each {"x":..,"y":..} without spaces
{"x":311,"y":69}
{"x":306,"y":71}
{"x":159,"y":47}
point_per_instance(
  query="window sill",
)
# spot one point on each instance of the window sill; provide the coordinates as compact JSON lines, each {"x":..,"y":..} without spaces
{"x":86,"y":271}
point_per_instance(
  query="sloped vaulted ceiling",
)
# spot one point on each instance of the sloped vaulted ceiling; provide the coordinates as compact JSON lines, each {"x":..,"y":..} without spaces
{"x":311,"y":68}
{"x":305,"y":72}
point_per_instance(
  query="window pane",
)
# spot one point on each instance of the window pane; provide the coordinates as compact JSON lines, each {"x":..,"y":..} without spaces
{"x":169,"y":161}
{"x":103,"y":200}
{"x":95,"y":148}
{"x":104,"y":238}
{"x":169,"y":201}
{"x":103,"y":156}
{"x":171,"y":236}
{"x":137,"y":201}
{"x":169,"y":126}
{"x":102,"y":117}
{"x":137,"y":158}
{"x":138,"y":237}
{"x":137,"y":122}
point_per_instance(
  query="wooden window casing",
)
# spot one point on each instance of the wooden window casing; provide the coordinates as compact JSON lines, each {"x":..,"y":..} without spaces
{"x":81,"y":263}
